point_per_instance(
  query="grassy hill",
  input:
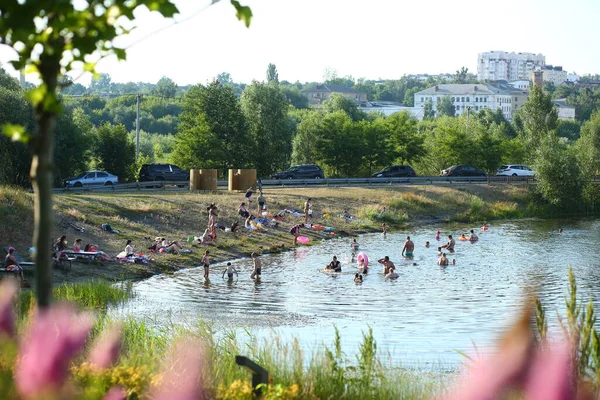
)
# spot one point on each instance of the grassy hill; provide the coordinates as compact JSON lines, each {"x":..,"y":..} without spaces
{"x":141,"y":216}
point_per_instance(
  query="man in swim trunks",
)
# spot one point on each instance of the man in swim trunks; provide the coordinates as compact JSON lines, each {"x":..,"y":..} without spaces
{"x":257,"y":266}
{"x":307,"y":210}
{"x":450,"y":245}
{"x":409,"y":248}
{"x":334,"y":265}
{"x":206,"y":263}
{"x":387,"y":264}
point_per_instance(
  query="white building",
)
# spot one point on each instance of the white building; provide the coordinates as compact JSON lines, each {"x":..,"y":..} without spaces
{"x":523,"y":85}
{"x":565,"y":111}
{"x":475,"y":97}
{"x":390,"y":107}
{"x":554,"y":74}
{"x":502,"y":65}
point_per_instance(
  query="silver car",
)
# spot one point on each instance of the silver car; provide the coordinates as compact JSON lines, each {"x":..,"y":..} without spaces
{"x":92,"y":178}
{"x":515,"y":170}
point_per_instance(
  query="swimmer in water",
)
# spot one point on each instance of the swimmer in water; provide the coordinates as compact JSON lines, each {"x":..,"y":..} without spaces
{"x":334,"y":265}
{"x":362,"y":267}
{"x":437,"y":235}
{"x":473,"y":237}
{"x":427,"y":244}
{"x":257,"y":266}
{"x":443,"y":260}
{"x":439,"y":251}
{"x":392,"y":274}
{"x":387,"y":264}
{"x":383,"y":230}
{"x":409,"y":248}
{"x":560,"y":230}
{"x":463,"y":237}
{"x":354,"y":246}
{"x":450,"y":245}
{"x":484,"y":227}
{"x":358,"y":278}
{"x":454,"y":261}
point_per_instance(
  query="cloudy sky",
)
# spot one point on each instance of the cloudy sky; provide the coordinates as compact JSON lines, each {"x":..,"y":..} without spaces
{"x":364,"y":38}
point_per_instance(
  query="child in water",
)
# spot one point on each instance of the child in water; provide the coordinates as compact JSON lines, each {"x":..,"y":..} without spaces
{"x":437,"y":235}
{"x":383,"y":230}
{"x":230,"y":270}
{"x":427,"y":244}
{"x":358,"y":278}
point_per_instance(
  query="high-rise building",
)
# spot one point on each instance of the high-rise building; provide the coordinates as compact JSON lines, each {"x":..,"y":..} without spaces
{"x":502,"y":65}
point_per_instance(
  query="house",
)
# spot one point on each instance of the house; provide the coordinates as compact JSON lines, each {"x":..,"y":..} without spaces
{"x":475,"y":97}
{"x":321,"y":93}
{"x":565,"y":111}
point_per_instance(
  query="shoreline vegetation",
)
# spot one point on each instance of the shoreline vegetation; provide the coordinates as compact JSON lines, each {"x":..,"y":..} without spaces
{"x":143,"y":216}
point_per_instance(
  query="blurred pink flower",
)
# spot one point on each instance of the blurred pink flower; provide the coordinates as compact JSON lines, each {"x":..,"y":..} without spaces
{"x":551,"y":374}
{"x":181,"y":375}
{"x":106,"y":349}
{"x":54,"y":337}
{"x":7,"y":317}
{"x":116,"y":393}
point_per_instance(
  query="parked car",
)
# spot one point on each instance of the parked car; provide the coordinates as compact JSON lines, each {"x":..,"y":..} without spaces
{"x":515,"y":170}
{"x":462,"y":170}
{"x":395,"y":171}
{"x":304,"y":171}
{"x":92,"y":178}
{"x":163,"y":172}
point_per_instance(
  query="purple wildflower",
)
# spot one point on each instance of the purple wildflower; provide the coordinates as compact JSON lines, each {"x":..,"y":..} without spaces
{"x":7,"y":317}
{"x":106,"y":349}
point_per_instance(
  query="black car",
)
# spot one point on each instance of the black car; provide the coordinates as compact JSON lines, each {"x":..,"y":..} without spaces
{"x":304,"y":171}
{"x":462,"y":170}
{"x":395,"y":171}
{"x":163,"y":172}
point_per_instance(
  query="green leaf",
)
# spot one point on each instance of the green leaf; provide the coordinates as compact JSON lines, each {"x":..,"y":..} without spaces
{"x":120,"y":53}
{"x":89,"y":67}
{"x":243,"y":13}
{"x":36,"y":95}
{"x":16,"y":133}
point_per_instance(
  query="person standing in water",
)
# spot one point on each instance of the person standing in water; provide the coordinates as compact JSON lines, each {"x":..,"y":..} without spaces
{"x":443,"y":260}
{"x":384,"y":230}
{"x":387,"y":264}
{"x":206,"y":264}
{"x":473,"y":237}
{"x":257,"y":267}
{"x":295,"y":230}
{"x":334,"y":265}
{"x":409,"y":248}
{"x":230,"y":270}
{"x":450,"y":245}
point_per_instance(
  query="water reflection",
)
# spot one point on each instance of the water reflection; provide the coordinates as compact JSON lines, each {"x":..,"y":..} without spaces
{"x":423,"y":316}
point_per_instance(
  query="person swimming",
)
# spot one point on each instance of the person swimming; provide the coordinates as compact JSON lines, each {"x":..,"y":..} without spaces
{"x":443,"y":260}
{"x":437,"y":235}
{"x":334,"y":265}
{"x":392,"y":274}
{"x":473,"y":237}
{"x":358,"y":278}
{"x":427,"y":244}
{"x":409,"y":248}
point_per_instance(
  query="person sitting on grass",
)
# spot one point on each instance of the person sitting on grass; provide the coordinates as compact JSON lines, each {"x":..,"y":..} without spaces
{"x":243,"y":211}
{"x":77,"y":245}
{"x":170,"y":247}
{"x":11,"y":263}
{"x":93,"y":248}
{"x":129,"y":252}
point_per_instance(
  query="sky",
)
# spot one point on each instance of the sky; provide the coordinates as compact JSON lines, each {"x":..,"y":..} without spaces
{"x":372,"y":39}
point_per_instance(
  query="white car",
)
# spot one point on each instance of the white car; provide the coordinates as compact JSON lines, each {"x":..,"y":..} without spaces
{"x":92,"y":178}
{"x":515,"y":170}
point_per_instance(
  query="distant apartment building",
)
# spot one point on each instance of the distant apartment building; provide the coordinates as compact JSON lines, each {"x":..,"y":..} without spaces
{"x":554,"y":74}
{"x":321,"y":93}
{"x":505,"y":66}
{"x":475,"y":97}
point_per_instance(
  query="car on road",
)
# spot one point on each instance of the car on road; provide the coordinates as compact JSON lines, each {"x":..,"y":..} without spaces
{"x":303,"y":171}
{"x":92,"y":178}
{"x":163,"y":172}
{"x":515,"y":170}
{"x":395,"y":171}
{"x":462,"y":170}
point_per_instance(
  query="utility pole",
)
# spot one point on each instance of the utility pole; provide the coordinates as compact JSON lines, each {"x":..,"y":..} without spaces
{"x":137,"y":128}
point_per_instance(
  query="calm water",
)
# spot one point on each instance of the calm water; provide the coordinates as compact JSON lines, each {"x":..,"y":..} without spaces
{"x":420,"y":319}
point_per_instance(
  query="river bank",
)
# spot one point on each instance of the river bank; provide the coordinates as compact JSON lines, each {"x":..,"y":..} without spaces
{"x":141,"y":216}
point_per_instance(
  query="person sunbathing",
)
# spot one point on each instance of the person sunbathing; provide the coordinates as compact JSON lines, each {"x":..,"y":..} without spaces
{"x":11,"y":263}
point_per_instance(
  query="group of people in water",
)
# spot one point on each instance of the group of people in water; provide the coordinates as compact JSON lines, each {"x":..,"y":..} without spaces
{"x":408,"y":249}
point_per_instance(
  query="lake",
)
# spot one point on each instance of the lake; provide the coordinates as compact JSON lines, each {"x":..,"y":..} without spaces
{"x":420,"y":319}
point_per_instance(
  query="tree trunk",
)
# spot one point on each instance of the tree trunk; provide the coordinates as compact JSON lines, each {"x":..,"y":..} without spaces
{"x":41,"y":179}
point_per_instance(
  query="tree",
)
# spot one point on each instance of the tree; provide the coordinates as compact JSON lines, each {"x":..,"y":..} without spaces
{"x":192,"y":145}
{"x":568,"y":129}
{"x":8,"y":82}
{"x":460,"y":76}
{"x":540,"y":119}
{"x":101,"y":83}
{"x":72,"y":145}
{"x":428,"y":111}
{"x":304,"y":144}
{"x":297,"y":99}
{"x":272,"y":75}
{"x":166,"y":88}
{"x":404,"y":142}
{"x":114,"y":152}
{"x":338,"y":102}
{"x":226,"y":142}
{"x":224,"y":78}
{"x":446,"y":107}
{"x":14,"y":155}
{"x":588,"y":147}
{"x":265,"y":108}
{"x":52,"y":38}
{"x":376,"y":138}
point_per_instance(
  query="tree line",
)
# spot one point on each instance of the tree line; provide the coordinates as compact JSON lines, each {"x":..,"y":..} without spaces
{"x":262,"y":129}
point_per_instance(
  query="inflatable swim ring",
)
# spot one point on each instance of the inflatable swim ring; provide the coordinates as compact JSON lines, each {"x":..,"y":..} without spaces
{"x":318,"y":227}
{"x":463,"y":238}
{"x":362,"y":256}
{"x":303,"y":239}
